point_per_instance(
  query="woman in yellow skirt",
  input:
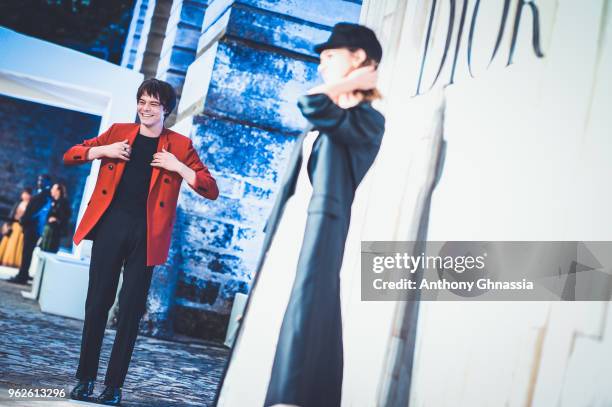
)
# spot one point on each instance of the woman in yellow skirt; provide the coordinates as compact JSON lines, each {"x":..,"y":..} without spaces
{"x":11,"y":245}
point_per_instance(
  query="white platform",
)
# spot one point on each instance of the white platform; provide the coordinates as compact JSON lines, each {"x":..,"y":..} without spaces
{"x":63,"y":287}
{"x":7,"y":272}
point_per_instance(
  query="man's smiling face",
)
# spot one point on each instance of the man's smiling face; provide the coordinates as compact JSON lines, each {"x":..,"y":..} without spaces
{"x":150,"y":110}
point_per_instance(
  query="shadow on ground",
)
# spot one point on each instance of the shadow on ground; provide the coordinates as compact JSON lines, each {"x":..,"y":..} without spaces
{"x":39,"y":350}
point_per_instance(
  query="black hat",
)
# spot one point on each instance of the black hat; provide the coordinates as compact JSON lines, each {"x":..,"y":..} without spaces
{"x":348,"y":35}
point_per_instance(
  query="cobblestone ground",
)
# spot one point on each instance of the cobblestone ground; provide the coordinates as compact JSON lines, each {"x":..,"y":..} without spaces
{"x":39,"y":350}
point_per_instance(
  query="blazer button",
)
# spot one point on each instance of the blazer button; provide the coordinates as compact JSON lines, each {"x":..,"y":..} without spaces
{"x":161,"y":204}
{"x":202,"y":189}
{"x":110,"y":166}
{"x":104,"y":192}
{"x":166,"y":180}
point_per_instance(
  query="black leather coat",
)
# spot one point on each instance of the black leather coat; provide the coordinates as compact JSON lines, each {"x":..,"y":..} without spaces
{"x":308,"y":363}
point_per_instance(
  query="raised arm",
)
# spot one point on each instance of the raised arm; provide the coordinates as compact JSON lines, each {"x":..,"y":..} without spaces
{"x":97,"y":147}
{"x":197,"y":175}
{"x":356,"y":125}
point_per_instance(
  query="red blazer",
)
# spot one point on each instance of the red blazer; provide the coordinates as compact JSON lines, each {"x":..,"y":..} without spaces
{"x":163,"y":189}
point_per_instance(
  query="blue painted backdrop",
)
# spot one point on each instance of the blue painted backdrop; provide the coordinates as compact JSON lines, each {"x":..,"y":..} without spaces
{"x":34,"y":137}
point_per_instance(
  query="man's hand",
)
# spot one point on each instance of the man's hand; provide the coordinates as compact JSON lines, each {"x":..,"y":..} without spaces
{"x":52,"y":219}
{"x":120,"y":149}
{"x":167,"y":161}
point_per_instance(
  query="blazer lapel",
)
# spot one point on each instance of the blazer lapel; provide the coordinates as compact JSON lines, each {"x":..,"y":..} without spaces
{"x":163,"y":142}
{"x":131,"y":136}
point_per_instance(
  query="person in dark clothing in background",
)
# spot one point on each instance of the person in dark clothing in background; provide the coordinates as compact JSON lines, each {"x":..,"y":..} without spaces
{"x":57,"y":220}
{"x":11,"y":246}
{"x":32,"y":222}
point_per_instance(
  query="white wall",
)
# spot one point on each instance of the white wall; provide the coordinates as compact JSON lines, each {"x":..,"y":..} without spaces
{"x":46,"y":73}
{"x":527,"y":159}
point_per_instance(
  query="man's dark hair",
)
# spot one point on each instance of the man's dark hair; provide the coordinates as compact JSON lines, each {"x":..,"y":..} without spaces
{"x":27,"y":190}
{"x":160,"y":90}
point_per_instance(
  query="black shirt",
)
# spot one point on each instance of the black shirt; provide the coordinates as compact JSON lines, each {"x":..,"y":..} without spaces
{"x":133,"y":189}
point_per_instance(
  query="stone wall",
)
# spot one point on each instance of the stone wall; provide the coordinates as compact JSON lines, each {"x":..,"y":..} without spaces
{"x":252,"y":60}
{"x":34,"y":137}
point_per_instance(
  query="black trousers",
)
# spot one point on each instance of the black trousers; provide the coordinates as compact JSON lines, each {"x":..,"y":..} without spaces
{"x":120,"y":240}
{"x":30,"y":237}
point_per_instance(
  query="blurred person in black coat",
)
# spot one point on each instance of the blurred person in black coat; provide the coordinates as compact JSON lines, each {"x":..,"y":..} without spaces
{"x":57,"y":219}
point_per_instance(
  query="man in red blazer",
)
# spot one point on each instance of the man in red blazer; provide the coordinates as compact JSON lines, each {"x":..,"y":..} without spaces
{"x":130,"y":217}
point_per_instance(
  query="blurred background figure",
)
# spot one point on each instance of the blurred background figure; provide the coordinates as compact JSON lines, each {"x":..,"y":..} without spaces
{"x":33,"y":221}
{"x":11,"y":246}
{"x":58,"y":218}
